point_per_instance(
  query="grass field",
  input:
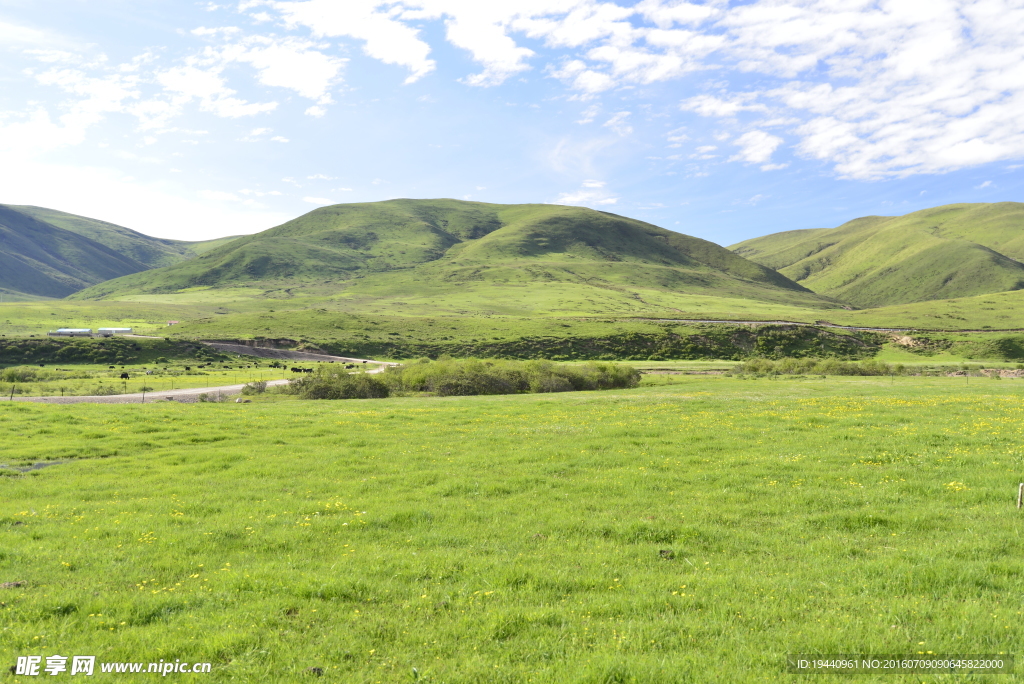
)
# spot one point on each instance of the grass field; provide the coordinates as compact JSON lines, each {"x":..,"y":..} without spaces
{"x":96,"y":379}
{"x":688,"y":532}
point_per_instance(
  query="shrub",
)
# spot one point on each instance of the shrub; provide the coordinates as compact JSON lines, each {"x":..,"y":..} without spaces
{"x":332,"y":383}
{"x":447,"y":377}
{"x":809,"y":366}
{"x":18,"y":374}
{"x":257,"y":387}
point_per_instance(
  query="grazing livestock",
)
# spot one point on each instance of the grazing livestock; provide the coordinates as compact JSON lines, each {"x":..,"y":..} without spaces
{"x":124,"y":376}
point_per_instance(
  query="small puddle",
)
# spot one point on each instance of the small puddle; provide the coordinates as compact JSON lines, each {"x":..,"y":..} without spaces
{"x":34,"y":466}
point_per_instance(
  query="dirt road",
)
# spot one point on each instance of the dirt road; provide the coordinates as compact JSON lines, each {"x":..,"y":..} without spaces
{"x":287,"y":354}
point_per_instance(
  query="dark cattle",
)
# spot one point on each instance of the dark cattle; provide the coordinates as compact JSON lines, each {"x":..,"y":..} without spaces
{"x":188,"y":368}
{"x":124,"y":376}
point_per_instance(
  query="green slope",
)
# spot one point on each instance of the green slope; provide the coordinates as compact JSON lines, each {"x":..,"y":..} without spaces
{"x":49,"y":253}
{"x":520,"y":259}
{"x":151,"y":251}
{"x":40,"y":259}
{"x":959,"y":250}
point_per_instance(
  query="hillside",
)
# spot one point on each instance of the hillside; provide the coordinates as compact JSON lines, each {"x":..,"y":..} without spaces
{"x":422,"y":252}
{"x":958,"y":250}
{"x":49,"y":253}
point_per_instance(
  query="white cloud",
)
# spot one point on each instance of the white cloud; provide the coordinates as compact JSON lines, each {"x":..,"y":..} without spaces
{"x":591,"y":194}
{"x":384,"y":36}
{"x":677,"y":137}
{"x":320,"y":176}
{"x":189,"y":82}
{"x":219,"y":195}
{"x":279,"y":138}
{"x":709,"y":105}
{"x":20,"y":37}
{"x":580,"y":77}
{"x":37,"y":132}
{"x":756,"y":147}
{"x":296,"y":64}
{"x":877,"y":89}
{"x":588,"y":114}
{"x":584,"y":198}
{"x":618,"y":123}
{"x":318,"y":200}
{"x":986,"y":184}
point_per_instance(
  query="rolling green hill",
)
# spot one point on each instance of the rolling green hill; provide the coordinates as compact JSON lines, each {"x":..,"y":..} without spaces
{"x":958,"y":250}
{"x":460,"y":256}
{"x":49,"y":253}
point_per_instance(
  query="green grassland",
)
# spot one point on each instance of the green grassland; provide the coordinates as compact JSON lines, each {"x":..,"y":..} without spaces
{"x":20,"y":319}
{"x":997,"y":310}
{"x":100,"y":380}
{"x":8,"y":295}
{"x":689,"y":532}
{"x":947,"y":252}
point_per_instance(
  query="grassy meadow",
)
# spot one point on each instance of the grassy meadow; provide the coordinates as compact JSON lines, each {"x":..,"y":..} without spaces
{"x":100,"y":380}
{"x":691,"y":531}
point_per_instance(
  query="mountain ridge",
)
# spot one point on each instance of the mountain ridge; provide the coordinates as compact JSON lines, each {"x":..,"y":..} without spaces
{"x":416,"y":245}
{"x":50,"y":253}
{"x":944,"y":252}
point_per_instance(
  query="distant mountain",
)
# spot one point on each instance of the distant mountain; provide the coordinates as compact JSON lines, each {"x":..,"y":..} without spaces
{"x":406,"y":247}
{"x":958,"y":250}
{"x":49,"y":253}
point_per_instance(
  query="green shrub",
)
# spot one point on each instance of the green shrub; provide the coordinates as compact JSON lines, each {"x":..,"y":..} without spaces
{"x":18,"y":374}
{"x":256,"y":387}
{"x":809,"y":366}
{"x":447,"y":377}
{"x":332,"y":383}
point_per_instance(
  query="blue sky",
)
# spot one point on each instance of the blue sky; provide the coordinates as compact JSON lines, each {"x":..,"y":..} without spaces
{"x":725,"y":120}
